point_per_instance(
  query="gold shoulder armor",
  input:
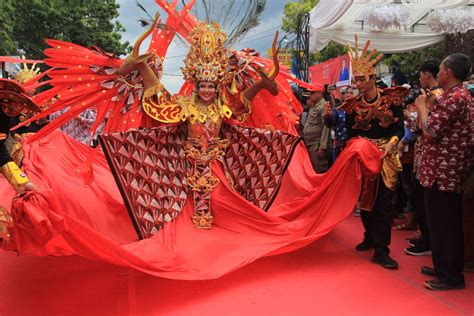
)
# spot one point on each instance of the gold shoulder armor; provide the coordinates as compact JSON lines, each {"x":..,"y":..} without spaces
{"x":394,"y":95}
{"x":349,"y":104}
{"x":161,"y":106}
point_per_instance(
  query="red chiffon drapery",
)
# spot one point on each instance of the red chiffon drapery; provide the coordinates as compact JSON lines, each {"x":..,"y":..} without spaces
{"x":66,"y":217}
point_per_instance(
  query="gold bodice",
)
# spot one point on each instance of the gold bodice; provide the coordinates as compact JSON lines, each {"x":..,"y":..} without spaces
{"x":166,"y":108}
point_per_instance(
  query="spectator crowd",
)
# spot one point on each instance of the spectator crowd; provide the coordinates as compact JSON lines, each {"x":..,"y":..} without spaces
{"x":427,"y":137}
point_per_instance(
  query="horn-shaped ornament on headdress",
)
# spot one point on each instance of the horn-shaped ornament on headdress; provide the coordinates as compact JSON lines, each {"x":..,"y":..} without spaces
{"x":363,"y":64}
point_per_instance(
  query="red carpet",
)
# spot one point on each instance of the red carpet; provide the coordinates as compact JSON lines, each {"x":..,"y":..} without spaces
{"x":325,"y":278}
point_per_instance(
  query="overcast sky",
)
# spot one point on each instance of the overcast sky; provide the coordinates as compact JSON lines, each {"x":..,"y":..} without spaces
{"x":260,"y":38}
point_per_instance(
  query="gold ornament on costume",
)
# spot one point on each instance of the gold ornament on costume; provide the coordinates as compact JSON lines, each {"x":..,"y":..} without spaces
{"x":14,"y":175}
{"x":194,"y":111}
{"x":163,"y":108}
{"x":434,"y":93}
{"x":203,"y":220}
{"x":379,"y":110}
{"x":207,"y":59}
{"x":16,"y":150}
{"x":391,"y":166}
{"x":363,"y":64}
{"x":25,"y":73}
{"x":6,"y":223}
{"x":201,"y":154}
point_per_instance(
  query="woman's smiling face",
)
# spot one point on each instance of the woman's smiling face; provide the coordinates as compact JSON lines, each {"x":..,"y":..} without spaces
{"x":206,"y":91}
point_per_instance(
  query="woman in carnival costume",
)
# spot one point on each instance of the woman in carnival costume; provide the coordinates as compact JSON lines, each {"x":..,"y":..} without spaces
{"x":208,"y":180}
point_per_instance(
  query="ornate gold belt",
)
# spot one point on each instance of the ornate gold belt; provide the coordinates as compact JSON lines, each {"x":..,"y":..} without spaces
{"x":16,"y":151}
{"x":202,"y":152}
{"x":391,"y":165}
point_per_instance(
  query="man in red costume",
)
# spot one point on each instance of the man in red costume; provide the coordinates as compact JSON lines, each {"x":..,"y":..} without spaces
{"x":13,"y":102}
{"x":376,"y":115}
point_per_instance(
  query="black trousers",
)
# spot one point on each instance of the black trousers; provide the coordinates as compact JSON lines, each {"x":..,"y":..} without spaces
{"x":420,"y":213}
{"x":377,"y":223}
{"x":406,"y":180}
{"x":445,"y":224}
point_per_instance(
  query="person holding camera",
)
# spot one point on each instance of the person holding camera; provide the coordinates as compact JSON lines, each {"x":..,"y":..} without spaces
{"x":445,"y":165}
{"x":428,"y":82}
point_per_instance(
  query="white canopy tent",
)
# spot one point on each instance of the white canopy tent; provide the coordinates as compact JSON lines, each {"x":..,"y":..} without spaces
{"x":339,"y":20}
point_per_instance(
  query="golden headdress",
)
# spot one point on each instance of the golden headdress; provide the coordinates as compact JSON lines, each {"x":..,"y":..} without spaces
{"x":363,"y":65}
{"x":207,"y":58}
{"x":26,"y":73}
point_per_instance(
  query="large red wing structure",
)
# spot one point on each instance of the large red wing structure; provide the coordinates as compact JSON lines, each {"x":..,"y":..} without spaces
{"x":150,"y":170}
{"x":256,"y":160}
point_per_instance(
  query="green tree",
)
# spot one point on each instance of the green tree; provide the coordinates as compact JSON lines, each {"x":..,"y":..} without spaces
{"x":460,"y":43}
{"x":409,"y":63}
{"x":6,"y":41}
{"x":291,"y":11}
{"x":331,"y":50}
{"x":82,"y":22}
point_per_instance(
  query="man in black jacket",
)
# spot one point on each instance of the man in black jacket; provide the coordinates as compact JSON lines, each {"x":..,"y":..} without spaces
{"x":376,"y":115}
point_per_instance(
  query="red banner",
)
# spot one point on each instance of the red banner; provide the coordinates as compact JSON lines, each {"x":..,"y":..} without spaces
{"x":334,"y":71}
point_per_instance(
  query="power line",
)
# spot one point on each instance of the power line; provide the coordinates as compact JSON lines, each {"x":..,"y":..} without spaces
{"x":247,"y":40}
{"x":177,"y":56}
{"x":292,"y":38}
{"x":255,"y":39}
{"x":270,"y":29}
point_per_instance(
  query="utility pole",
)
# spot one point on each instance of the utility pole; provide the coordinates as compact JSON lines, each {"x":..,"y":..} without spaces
{"x":302,"y":47}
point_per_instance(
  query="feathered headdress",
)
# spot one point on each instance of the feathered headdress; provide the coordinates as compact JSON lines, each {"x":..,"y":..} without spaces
{"x":363,"y":64}
{"x":207,"y":59}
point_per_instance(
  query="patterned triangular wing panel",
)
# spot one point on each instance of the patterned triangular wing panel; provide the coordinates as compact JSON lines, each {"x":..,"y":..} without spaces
{"x":149,"y":167}
{"x":256,"y":160}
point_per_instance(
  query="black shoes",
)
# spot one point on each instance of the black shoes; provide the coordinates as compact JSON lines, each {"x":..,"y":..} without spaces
{"x":418,"y":250}
{"x":442,"y":285}
{"x":415,"y":242}
{"x":364,"y":245}
{"x":385,"y":261}
{"x":428,"y":271}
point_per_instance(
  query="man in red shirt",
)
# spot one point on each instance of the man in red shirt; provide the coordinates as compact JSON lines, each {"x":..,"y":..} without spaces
{"x":445,"y":165}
